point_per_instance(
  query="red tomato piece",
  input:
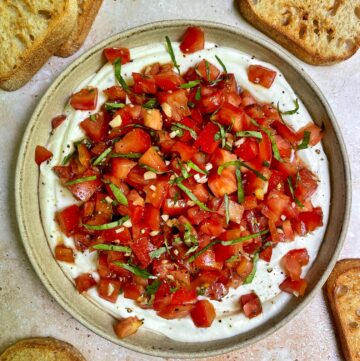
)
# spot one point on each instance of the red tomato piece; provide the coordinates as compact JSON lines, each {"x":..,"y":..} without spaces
{"x":211,"y":103}
{"x":132,"y":290}
{"x":85,"y":99}
{"x":286,"y":132}
{"x":265,"y":150}
{"x":203,"y":314}
{"x":223,"y":184}
{"x":96,"y":128}
{"x":127,"y":327}
{"x":152,"y":217}
{"x":193,"y":40}
{"x":63,"y":253}
{"x":206,"y":140}
{"x":174,"y":209}
{"x":111,"y":54}
{"x":183,"y":297}
{"x":248,"y":150}
{"x":156,"y":192}
{"x":57,"y":121}
{"x":266,"y":254}
{"x":115,"y":93}
{"x":312,"y":220}
{"x":231,"y":115}
{"x":121,"y":167}
{"x":109,"y":289}
{"x":207,"y":261}
{"x":207,"y":71}
{"x":295,"y":287}
{"x":68,"y":219}
{"x":152,"y":159}
{"x":136,"y":141}
{"x":120,"y":234}
{"x":185,"y":151}
{"x":84,"y":282}
{"x":144,"y":83}
{"x":168,"y":81}
{"x":175,"y":104}
{"x":258,"y":74}
{"x":306,"y":184}
{"x":83,"y":191}
{"x":315,"y":133}
{"x":171,"y":312}
{"x":42,"y":154}
{"x":293,"y":261}
{"x":251,"y":305}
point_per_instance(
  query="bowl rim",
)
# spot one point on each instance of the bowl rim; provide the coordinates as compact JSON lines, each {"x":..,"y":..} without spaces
{"x":262,"y":41}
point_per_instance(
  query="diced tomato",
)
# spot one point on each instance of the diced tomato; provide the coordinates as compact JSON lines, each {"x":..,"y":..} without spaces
{"x":121,"y":167}
{"x":207,"y":71}
{"x":315,"y":133}
{"x":85,"y":99}
{"x":277,"y":202}
{"x":286,"y":132}
{"x":156,"y":192}
{"x":96,"y":127}
{"x":185,"y":151}
{"x":136,"y":141}
{"x":152,"y":159}
{"x":207,"y":261}
{"x":248,"y":150}
{"x":258,"y":74}
{"x":211,"y":103}
{"x":284,"y":146}
{"x":57,"y":121}
{"x":64,"y":254}
{"x":247,"y":98}
{"x":168,"y":81}
{"x":244,"y":268}
{"x":206,"y":140}
{"x":174,"y":209}
{"x":223,"y":184}
{"x":132,"y":290}
{"x":231,"y":116}
{"x":68,"y":219}
{"x":293,"y":261}
{"x":193,"y":40}
{"x":127,"y":326}
{"x":144,"y":83}
{"x":111,"y":54}
{"x":266,"y":254}
{"x":171,"y":312}
{"x":175,"y":104}
{"x":152,"y":217}
{"x":223,"y":253}
{"x":265,"y":150}
{"x":306,"y":184}
{"x":288,"y":230}
{"x":120,"y":234}
{"x":109,"y":289}
{"x":84,"y":282}
{"x":42,"y":154}
{"x":203,"y":314}
{"x":183,"y":297}
{"x":295,"y":287}
{"x":312,"y":220}
{"x":115,"y":93}
{"x":251,"y":305}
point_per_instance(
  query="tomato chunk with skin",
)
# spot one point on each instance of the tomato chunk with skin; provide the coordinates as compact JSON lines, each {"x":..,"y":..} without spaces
{"x":203,"y":314}
{"x":85,"y":99}
{"x":152,"y":159}
{"x":57,"y":121}
{"x":293,"y":261}
{"x":171,"y":312}
{"x":127,"y":327}
{"x":193,"y":40}
{"x":64,"y":254}
{"x":111,"y":54}
{"x":69,"y":219}
{"x":109,"y":289}
{"x":84,"y":282}
{"x":258,"y":74}
{"x":42,"y":154}
{"x":295,"y":287}
{"x":136,"y":141}
{"x":206,"y":140}
{"x":251,"y":305}
{"x":96,"y":127}
{"x":121,"y":167}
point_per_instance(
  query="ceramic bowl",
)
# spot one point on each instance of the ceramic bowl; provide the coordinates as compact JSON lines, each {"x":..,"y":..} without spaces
{"x":27,"y":178}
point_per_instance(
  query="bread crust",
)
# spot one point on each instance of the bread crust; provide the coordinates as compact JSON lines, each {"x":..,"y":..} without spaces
{"x":349,"y":268}
{"x":41,"y":349}
{"x":292,"y":44}
{"x":42,"y":49}
{"x":87,"y":14}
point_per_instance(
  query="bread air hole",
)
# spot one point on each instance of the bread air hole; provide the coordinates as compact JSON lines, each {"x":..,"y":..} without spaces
{"x":287,"y":18}
{"x":45,"y":14}
{"x":334,"y":8}
{"x":357,"y":12}
{"x":302,"y":31}
{"x":330,"y":34}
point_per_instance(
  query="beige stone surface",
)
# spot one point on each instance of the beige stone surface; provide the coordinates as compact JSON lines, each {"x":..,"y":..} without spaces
{"x":27,"y":309}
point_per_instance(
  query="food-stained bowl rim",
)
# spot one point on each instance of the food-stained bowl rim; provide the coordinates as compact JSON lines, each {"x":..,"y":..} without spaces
{"x":279,"y":52}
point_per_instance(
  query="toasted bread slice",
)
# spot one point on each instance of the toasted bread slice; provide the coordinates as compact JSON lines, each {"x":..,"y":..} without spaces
{"x":30,"y":32}
{"x":41,"y":349}
{"x":319,"y":32}
{"x":87,"y":11}
{"x":343,"y":291}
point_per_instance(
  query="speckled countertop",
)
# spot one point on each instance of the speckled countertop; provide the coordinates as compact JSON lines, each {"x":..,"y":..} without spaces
{"x":27,"y":309}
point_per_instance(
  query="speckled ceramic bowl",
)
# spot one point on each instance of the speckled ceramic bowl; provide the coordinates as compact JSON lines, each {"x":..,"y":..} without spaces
{"x":27,"y":177}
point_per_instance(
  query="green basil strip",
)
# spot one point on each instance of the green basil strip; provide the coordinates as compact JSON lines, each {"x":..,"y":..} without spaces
{"x":221,"y":63}
{"x":251,"y":276}
{"x":291,"y":188}
{"x":68,"y":157}
{"x":184,"y":172}
{"x":110,"y":106}
{"x":232,"y":258}
{"x":119,"y":78}
{"x":249,"y":133}
{"x":192,"y":196}
{"x":192,"y":249}
{"x":152,"y":289}
{"x":227,"y":210}
{"x":111,"y":247}
{"x":110,"y":225}
{"x":151,"y":169}
{"x":211,"y":244}
{"x":126,"y":155}
{"x":207,"y":70}
{"x":80,"y":180}
{"x":292,"y":111}
{"x":305,"y":142}
{"x":150,"y":103}
{"x":171,"y":53}
{"x":196,"y":168}
{"x":240,"y":188}
{"x":190,"y":84}
{"x":198,"y":94}
{"x":243,"y":239}
{"x":102,"y":156}
{"x":190,"y":130}
{"x":134,"y":269}
{"x":157,"y":253}
{"x":238,"y":163}
{"x":119,"y":195}
{"x":221,"y":135}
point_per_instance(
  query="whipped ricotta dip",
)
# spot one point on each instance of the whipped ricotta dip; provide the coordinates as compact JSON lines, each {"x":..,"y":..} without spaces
{"x":230,"y":320}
